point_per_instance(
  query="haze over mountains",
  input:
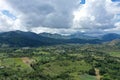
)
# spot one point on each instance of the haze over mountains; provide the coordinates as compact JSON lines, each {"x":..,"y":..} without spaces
{"x":30,"y":39}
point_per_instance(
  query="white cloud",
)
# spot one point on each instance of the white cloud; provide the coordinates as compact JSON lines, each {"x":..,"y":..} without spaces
{"x":8,"y":24}
{"x":61,"y":16}
{"x":96,"y":14}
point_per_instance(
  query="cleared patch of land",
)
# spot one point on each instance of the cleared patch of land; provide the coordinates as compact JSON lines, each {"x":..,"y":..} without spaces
{"x":27,"y":60}
{"x":97,"y":72}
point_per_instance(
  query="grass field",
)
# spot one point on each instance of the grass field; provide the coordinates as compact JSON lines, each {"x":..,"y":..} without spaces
{"x":87,"y":77}
{"x":15,"y":63}
{"x":73,"y":68}
{"x":115,"y":54}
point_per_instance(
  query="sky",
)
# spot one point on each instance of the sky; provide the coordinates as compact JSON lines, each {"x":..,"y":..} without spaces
{"x":60,"y":16}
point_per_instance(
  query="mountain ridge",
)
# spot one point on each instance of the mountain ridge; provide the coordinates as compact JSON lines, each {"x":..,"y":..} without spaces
{"x":31,"y":39}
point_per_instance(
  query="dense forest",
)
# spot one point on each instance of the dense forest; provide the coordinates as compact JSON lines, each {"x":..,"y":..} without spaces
{"x":62,"y":62}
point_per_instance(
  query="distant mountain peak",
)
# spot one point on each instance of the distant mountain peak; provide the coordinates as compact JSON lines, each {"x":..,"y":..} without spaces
{"x":30,"y":39}
{"x":110,"y":36}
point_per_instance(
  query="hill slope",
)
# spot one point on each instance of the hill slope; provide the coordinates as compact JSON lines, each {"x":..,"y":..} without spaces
{"x":30,"y":39}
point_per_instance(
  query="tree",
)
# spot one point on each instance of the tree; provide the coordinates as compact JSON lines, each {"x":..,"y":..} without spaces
{"x":92,"y":71}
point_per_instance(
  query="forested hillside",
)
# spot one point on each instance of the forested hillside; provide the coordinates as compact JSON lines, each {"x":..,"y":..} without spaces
{"x":62,"y":62}
{"x":30,"y":39}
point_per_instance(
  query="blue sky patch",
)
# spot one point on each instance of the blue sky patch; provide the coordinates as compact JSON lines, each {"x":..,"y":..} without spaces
{"x":117,"y":17}
{"x":82,"y":1}
{"x":8,"y":14}
{"x":115,"y":0}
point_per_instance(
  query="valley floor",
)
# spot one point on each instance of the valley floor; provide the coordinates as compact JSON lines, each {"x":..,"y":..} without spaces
{"x":61,"y":62}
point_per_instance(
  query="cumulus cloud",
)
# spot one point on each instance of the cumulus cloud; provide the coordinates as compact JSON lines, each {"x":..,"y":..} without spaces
{"x":60,"y":16}
{"x":47,"y":13}
{"x":96,"y":15}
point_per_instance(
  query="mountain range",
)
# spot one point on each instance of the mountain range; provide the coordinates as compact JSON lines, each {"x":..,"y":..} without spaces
{"x":30,"y":39}
{"x":77,"y":35}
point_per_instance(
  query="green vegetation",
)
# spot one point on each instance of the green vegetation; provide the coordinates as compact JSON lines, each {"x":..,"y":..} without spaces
{"x":61,"y":62}
{"x":115,"y":54}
